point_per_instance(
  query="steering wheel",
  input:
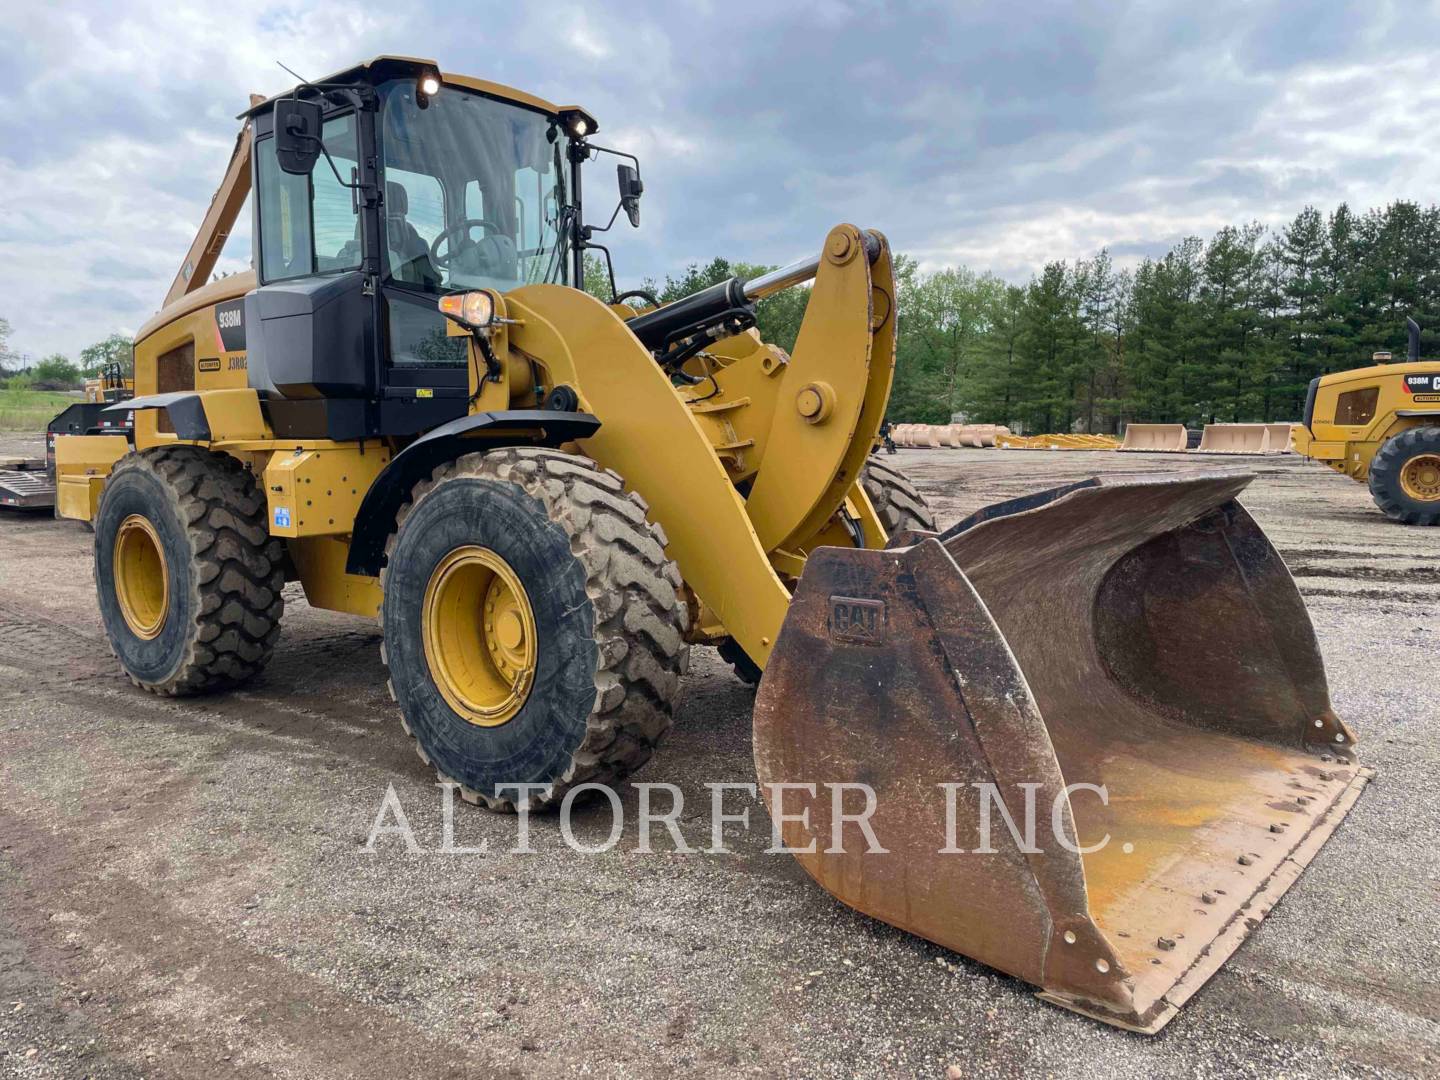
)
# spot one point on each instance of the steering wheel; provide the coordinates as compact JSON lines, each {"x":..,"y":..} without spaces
{"x":459,"y":228}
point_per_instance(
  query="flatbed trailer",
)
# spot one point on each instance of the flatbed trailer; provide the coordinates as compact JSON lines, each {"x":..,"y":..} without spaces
{"x":26,"y":485}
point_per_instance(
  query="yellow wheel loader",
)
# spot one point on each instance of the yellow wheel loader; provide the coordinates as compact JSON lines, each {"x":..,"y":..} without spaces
{"x":545,"y":499}
{"x":1380,"y":425}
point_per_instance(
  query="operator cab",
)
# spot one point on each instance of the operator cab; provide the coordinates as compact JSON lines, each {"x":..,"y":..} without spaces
{"x":378,"y":191}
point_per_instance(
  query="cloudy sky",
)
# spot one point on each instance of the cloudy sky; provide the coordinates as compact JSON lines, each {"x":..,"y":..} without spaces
{"x":1000,"y":135}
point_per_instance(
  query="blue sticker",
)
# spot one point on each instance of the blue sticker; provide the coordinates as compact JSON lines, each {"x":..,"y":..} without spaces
{"x":282,"y":517}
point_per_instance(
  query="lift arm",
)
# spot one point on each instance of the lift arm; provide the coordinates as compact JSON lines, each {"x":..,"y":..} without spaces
{"x":219,"y":219}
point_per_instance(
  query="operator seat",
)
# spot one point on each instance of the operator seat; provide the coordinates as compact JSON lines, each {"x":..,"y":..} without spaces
{"x":410,"y":253}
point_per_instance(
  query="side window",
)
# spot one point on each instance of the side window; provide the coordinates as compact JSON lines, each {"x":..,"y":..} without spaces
{"x":1356,"y":407}
{"x":424,"y":202}
{"x":337,"y":238}
{"x":474,"y":201}
{"x":532,"y":203}
{"x":284,"y":218}
{"x":418,"y":336}
{"x":308,"y":223}
{"x":414,"y":217}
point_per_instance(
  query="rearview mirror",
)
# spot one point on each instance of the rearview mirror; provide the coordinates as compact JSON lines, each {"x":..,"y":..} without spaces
{"x":631,"y":188}
{"x":297,"y":135}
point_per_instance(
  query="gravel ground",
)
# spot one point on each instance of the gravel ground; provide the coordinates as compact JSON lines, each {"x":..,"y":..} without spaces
{"x":185,"y":888}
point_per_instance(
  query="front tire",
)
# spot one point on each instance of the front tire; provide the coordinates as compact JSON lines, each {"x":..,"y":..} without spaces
{"x":896,"y":500}
{"x":1405,"y":477}
{"x":187,"y":575}
{"x":571,"y":673}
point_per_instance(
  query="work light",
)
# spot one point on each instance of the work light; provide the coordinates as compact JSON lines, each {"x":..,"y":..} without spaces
{"x":473,"y":309}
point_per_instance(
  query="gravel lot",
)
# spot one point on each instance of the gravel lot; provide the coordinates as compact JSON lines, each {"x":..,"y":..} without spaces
{"x":185,"y":888}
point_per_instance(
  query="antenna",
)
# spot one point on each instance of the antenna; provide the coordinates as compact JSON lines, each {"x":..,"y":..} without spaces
{"x":292,"y":71}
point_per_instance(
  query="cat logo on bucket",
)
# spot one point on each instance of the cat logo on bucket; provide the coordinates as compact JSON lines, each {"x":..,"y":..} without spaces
{"x":859,"y":622}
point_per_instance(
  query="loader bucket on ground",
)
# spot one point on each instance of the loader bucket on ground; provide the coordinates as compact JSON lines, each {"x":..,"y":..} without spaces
{"x":1278,"y":438}
{"x":1169,"y":437}
{"x":1140,"y":635}
{"x":1233,"y":439}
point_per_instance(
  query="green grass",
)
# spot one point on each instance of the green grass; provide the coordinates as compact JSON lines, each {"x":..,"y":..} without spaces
{"x":31,"y":410}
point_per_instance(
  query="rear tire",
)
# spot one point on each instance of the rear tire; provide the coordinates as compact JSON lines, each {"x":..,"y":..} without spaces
{"x":187,"y":575}
{"x":1405,"y":477}
{"x":591,"y":698}
{"x":900,"y":506}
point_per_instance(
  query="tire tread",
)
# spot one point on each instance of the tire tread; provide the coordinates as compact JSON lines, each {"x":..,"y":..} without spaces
{"x":1384,"y":478}
{"x":239,"y":568}
{"x":640,"y":621}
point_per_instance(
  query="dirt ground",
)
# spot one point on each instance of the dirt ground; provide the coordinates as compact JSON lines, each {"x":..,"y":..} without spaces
{"x":185,"y":888}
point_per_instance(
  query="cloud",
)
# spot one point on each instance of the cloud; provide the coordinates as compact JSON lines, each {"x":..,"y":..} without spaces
{"x":999,"y":135}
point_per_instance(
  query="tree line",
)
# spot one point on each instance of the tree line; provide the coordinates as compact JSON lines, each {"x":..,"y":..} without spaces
{"x":1232,"y":328}
{"x":57,"y":371}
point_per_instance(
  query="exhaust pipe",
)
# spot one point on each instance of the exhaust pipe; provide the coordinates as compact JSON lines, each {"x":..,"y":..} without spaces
{"x":1413,"y":329}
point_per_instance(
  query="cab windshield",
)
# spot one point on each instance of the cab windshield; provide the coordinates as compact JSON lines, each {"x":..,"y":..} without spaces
{"x":474,"y":189}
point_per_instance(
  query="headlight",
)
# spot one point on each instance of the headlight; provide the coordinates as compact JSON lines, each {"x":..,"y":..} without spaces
{"x":429,"y":84}
{"x":473,"y":309}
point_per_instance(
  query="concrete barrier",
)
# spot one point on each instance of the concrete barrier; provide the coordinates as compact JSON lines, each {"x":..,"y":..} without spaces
{"x":1165,"y":438}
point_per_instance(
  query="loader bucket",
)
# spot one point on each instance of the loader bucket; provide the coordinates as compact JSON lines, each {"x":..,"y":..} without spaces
{"x":1139,"y":635}
{"x":1169,"y":437}
{"x":1278,"y":438}
{"x":1233,"y":439}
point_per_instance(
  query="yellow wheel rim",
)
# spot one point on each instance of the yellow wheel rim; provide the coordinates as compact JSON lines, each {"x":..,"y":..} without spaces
{"x":1420,"y":478}
{"x":479,"y":635}
{"x":142,"y":582}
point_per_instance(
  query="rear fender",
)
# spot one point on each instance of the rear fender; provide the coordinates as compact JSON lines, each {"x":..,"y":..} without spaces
{"x":204,"y":416}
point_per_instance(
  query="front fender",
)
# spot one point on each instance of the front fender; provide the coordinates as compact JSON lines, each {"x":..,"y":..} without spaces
{"x":478,"y":431}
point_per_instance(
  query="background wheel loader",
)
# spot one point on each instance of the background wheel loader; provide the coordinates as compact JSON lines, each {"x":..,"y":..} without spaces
{"x":545,"y":500}
{"x":1380,"y":425}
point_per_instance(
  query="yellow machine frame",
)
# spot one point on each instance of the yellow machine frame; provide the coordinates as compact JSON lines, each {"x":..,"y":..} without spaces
{"x":795,"y":429}
{"x":1349,"y":448}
